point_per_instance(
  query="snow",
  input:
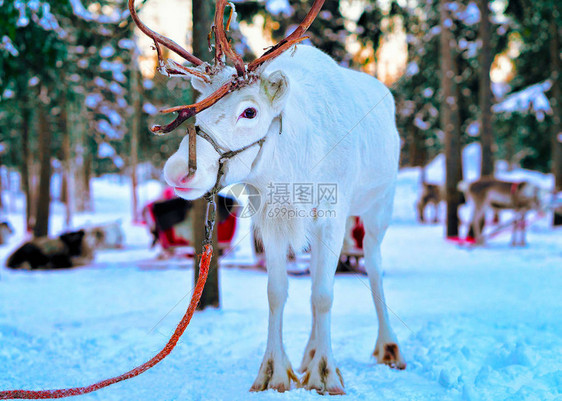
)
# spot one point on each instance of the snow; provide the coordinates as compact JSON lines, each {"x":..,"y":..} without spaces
{"x":412,"y":68}
{"x":470,"y":15}
{"x":126,"y":44}
{"x":116,"y":88}
{"x":105,"y":150}
{"x":473,"y":128}
{"x":111,"y":131}
{"x":427,"y":92}
{"x":421,"y":124}
{"x":93,"y":99}
{"x":276,"y":7}
{"x":471,"y":156}
{"x":8,"y":94}
{"x":33,"y":81}
{"x":22,"y":21}
{"x":83,"y":63}
{"x":114,"y":116}
{"x":532,"y":98}
{"x":436,"y":30}
{"x":148,"y":84}
{"x":114,"y":18}
{"x":500,"y":89}
{"x":118,"y":161}
{"x":149,"y":108}
{"x":33,"y":5}
{"x":47,"y":21}
{"x":481,"y":324}
{"x":112,"y":66}
{"x":8,"y":45}
{"x":107,"y":51}
{"x":100,"y":82}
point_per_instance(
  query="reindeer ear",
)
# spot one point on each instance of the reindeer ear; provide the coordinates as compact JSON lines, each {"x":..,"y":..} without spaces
{"x":198,"y":84}
{"x":276,"y":89}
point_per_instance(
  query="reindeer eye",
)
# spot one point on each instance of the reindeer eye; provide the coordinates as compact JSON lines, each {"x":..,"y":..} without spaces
{"x":250,"y":113}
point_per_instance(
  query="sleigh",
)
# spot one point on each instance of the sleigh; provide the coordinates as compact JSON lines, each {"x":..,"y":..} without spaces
{"x":352,"y":254}
{"x":169,"y":221}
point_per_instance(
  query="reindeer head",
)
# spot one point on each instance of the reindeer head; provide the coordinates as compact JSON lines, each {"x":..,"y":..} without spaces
{"x":238,"y":106}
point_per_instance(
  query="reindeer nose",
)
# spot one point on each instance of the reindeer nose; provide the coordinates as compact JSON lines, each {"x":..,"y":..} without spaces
{"x":186,"y":178}
{"x":176,"y":177}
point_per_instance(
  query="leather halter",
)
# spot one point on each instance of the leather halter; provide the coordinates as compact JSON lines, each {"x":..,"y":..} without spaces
{"x":225,"y":154}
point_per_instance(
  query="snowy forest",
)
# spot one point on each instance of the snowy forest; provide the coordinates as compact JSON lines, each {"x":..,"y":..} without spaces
{"x":474,"y":301}
{"x":76,"y":102}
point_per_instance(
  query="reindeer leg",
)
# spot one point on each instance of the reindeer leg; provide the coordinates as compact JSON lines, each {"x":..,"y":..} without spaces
{"x":420,"y":207}
{"x":275,"y":370}
{"x":477,"y":226}
{"x":321,"y":373}
{"x":386,"y":350}
{"x":523,"y":229}
{"x":514,"y":231}
{"x":310,"y":348}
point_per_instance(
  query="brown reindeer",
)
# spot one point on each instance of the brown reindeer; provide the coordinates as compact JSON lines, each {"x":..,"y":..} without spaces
{"x":492,"y":194}
{"x":432,"y":194}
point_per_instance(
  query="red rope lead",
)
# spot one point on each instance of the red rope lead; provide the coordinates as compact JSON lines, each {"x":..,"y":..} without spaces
{"x":68,"y":392}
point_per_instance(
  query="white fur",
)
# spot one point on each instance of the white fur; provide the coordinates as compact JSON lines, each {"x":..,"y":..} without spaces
{"x":338,"y":128}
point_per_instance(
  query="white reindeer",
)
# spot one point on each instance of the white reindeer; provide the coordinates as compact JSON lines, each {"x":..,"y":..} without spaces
{"x":311,"y":121}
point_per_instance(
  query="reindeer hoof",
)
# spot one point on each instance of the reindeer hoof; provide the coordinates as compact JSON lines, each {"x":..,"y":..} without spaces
{"x":274,"y":376}
{"x":306,"y":359}
{"x":323,"y":377}
{"x":389,"y":354}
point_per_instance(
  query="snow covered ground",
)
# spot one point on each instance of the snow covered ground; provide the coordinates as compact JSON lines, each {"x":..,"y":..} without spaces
{"x":480,"y":324}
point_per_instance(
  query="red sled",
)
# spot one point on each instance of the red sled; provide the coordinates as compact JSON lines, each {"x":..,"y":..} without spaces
{"x":164,"y":217}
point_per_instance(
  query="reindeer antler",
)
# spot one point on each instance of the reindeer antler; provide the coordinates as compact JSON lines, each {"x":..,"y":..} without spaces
{"x":222,"y":47}
{"x":290,"y":40}
{"x":170,"y":44}
{"x":186,"y":112}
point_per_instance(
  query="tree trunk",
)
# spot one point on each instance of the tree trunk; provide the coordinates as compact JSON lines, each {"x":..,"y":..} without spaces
{"x":25,"y":167}
{"x":66,"y":196}
{"x":202,"y":11}
{"x":557,"y":108}
{"x":418,"y":152}
{"x":79,"y":128}
{"x":450,"y":121}
{"x":41,"y":228}
{"x":211,"y":293}
{"x":202,"y":21}
{"x":135,"y":126}
{"x":1,"y":186}
{"x":87,"y":177}
{"x":485,"y":90}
